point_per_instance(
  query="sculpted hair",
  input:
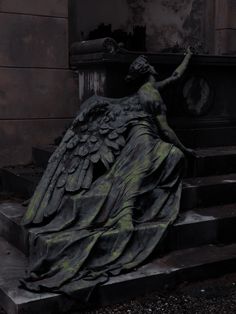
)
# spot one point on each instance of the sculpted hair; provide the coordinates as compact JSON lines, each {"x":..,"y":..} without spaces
{"x":141,"y":67}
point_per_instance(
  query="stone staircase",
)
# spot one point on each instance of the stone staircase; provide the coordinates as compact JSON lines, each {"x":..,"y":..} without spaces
{"x":201,"y":243}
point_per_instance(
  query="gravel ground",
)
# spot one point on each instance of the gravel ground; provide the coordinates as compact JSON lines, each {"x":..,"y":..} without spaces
{"x":209,"y":296}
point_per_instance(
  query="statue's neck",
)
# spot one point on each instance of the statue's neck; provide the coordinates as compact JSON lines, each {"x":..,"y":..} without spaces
{"x":151,"y":79}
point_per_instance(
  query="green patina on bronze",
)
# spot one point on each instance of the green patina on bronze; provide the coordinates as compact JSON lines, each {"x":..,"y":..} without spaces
{"x":110,"y":191}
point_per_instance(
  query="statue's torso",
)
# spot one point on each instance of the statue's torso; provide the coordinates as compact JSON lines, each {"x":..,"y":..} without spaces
{"x":151,"y":99}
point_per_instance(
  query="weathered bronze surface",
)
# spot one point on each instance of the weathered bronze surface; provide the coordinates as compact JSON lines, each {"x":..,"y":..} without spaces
{"x":118,"y":167}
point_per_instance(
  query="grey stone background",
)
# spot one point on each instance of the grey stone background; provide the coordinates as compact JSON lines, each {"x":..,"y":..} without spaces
{"x":37,"y":93}
{"x":169,"y":22}
{"x":208,"y":25}
{"x":37,"y":90}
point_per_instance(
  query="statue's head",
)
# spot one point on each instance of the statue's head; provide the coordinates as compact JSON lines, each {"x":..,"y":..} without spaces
{"x":139,"y":69}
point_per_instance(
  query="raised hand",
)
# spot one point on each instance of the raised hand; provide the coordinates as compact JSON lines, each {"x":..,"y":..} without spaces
{"x":189,"y":51}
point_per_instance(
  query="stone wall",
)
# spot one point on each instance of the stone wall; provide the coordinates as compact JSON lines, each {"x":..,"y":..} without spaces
{"x":169,"y":23}
{"x":37,"y":92}
{"x":226,"y":26}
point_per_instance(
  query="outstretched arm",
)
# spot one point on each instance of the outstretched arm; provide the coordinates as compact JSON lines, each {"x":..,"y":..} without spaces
{"x":170,"y":136}
{"x":177,"y":73}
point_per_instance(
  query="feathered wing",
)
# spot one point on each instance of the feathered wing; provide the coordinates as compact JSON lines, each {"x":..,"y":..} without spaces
{"x":95,"y":137}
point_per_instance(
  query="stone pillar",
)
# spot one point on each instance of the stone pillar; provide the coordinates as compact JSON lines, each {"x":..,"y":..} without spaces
{"x":225,"y":27}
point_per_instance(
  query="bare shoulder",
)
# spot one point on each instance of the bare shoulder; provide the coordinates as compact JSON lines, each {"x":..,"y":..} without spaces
{"x":149,"y":91}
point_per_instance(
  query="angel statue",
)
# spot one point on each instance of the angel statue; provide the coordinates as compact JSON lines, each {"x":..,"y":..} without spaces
{"x":110,"y":191}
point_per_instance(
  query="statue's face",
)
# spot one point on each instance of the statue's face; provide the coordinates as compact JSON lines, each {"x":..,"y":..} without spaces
{"x":139,"y":69}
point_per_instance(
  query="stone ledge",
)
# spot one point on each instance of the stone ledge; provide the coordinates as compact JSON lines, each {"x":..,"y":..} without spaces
{"x":154,"y":58}
{"x":192,"y":228}
{"x":191,"y":264}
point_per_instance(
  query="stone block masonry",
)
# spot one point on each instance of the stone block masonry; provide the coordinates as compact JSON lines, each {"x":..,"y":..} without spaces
{"x":37,"y":91}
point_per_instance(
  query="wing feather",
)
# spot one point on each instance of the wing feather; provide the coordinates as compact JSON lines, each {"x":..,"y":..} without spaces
{"x":88,"y":178}
{"x":72,"y":179}
{"x":112,"y":144}
{"x":96,"y":135}
{"x":95,"y":158}
{"x":121,"y":141}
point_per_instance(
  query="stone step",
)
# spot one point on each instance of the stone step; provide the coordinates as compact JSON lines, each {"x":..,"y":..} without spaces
{"x":213,"y":161}
{"x":209,"y":161}
{"x":208,"y":191}
{"x":41,"y":155}
{"x":192,"y":228}
{"x":159,"y":274}
{"x":10,"y":226}
{"x":202,"y":226}
{"x":197,"y":192}
{"x":206,"y":136}
{"x":21,"y":180}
